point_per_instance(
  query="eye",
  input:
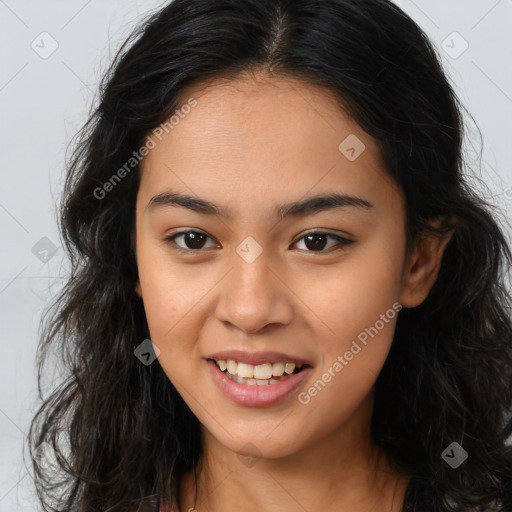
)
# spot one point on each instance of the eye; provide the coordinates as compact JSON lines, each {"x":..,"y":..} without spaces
{"x":194,"y":241}
{"x":316,"y":240}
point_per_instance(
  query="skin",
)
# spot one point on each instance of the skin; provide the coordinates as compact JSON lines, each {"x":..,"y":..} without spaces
{"x":249,"y":145}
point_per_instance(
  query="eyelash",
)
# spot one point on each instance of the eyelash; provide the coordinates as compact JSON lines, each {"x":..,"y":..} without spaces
{"x":170,"y":240}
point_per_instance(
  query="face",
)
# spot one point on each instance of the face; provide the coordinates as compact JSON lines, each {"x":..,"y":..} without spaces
{"x":320,"y":285}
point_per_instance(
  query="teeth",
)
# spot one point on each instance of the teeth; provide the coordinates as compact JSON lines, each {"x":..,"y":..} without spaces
{"x":278,"y":369}
{"x":245,"y":370}
{"x":232,"y":367}
{"x":261,"y":372}
{"x":289,"y":367}
{"x":252,"y":382}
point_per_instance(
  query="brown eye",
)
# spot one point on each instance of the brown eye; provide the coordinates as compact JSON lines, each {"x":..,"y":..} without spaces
{"x":317,"y":241}
{"x":192,"y":240}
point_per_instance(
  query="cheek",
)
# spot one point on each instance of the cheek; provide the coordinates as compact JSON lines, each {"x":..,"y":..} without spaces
{"x":358,"y":307}
{"x":170,"y":293}
{"x":356,"y":292}
{"x":361,"y":324}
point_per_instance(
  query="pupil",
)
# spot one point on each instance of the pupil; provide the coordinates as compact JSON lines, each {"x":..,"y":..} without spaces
{"x":315,"y":236}
{"x":194,"y":238}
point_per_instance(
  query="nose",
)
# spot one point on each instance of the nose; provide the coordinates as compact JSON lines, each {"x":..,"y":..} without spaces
{"x":254,"y":296}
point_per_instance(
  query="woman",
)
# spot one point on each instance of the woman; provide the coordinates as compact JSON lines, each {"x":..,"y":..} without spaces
{"x":284,"y":294}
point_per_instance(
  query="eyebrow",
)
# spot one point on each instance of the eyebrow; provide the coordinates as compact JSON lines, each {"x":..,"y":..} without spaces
{"x":301,"y":208}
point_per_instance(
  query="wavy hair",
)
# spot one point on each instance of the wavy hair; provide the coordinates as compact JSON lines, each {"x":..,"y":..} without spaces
{"x":120,"y":434}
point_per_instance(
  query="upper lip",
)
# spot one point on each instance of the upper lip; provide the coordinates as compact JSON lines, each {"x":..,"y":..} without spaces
{"x":256,"y":358}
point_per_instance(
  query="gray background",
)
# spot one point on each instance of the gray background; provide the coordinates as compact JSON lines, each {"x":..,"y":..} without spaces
{"x":45,"y":98}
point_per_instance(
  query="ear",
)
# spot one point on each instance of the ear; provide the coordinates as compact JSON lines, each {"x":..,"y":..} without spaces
{"x":422,"y":266}
{"x":138,"y":289}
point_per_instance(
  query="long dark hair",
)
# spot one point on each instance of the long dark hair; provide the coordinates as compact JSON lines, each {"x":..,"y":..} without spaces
{"x":122,"y":434}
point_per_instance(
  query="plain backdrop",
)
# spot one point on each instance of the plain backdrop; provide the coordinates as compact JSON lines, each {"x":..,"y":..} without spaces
{"x":53,"y":54}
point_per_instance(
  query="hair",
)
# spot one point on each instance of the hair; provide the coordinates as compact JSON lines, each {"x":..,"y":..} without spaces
{"x":120,"y":433}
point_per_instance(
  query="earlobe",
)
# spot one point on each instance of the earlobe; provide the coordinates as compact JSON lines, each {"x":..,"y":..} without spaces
{"x":422,"y":268}
{"x":138,"y":289}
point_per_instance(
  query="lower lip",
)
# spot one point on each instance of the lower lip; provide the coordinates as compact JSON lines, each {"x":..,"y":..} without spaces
{"x":257,"y":396}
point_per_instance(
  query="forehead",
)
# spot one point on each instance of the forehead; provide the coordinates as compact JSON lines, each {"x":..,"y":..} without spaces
{"x":251,"y":89}
{"x":256,"y":108}
{"x":257,"y":135}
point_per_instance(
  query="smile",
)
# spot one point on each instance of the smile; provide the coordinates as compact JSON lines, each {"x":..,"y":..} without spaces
{"x":261,"y":374}
{"x":260,"y":385}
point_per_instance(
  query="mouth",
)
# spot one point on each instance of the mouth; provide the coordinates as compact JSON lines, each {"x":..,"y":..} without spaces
{"x":265,"y":374}
{"x":253,"y":391}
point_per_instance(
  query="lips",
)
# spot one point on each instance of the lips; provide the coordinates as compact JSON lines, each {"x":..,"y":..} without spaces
{"x":258,"y":395}
{"x":257,"y":358}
